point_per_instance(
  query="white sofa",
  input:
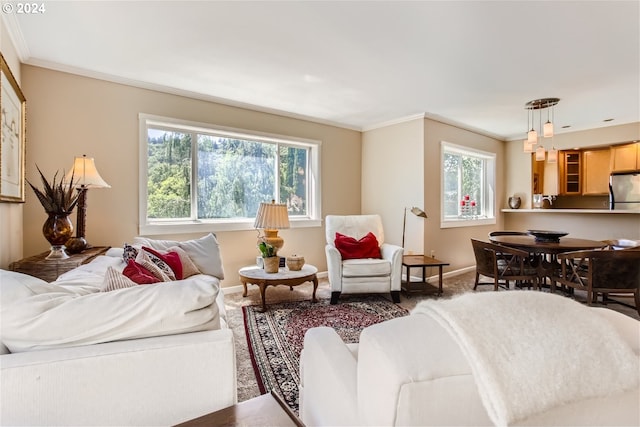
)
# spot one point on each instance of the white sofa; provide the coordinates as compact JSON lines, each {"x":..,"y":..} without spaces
{"x":411,"y":371}
{"x":148,"y":366}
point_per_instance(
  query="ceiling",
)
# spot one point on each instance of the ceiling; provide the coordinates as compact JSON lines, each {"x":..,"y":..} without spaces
{"x":358,"y":64}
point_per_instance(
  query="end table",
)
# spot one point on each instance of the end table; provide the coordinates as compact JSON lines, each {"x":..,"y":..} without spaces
{"x":421,"y":261}
{"x":50,"y":269}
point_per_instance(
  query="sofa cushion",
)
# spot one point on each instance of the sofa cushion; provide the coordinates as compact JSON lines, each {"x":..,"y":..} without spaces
{"x":367,"y":267}
{"x":171,"y":259}
{"x":188,"y":267}
{"x":350,"y":248}
{"x":158,"y":268}
{"x":55,"y":316}
{"x":204,"y":252}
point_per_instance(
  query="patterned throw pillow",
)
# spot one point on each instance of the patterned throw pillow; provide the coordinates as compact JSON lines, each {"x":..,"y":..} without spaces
{"x":129,"y":253}
{"x":188,"y":267}
{"x":160,"y":273}
{"x":172,"y":259}
{"x":114,"y":280}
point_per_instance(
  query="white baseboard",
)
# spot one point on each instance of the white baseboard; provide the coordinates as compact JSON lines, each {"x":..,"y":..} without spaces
{"x":323,"y":274}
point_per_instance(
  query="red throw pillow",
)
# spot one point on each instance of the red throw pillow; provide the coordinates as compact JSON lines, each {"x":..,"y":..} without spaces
{"x":139,"y":274}
{"x":172,"y":259}
{"x":350,"y":248}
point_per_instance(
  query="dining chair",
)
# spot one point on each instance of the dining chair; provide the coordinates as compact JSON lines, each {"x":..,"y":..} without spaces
{"x":606,"y":272}
{"x":503,"y":264}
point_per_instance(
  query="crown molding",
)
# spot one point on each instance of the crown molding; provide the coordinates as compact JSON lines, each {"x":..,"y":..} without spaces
{"x":16,"y":36}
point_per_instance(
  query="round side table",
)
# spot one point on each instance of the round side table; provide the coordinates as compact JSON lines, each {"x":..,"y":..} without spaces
{"x":257,"y":276}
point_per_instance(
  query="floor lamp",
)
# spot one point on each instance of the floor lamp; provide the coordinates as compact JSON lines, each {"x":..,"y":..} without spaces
{"x":417,"y":212}
{"x":85,"y":176}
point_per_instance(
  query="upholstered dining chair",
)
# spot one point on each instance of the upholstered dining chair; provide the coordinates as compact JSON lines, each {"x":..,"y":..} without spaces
{"x":502,"y":264}
{"x":358,"y":259}
{"x":606,"y":272}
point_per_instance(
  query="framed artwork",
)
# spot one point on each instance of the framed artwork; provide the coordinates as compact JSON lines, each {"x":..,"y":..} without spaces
{"x":12,"y":136}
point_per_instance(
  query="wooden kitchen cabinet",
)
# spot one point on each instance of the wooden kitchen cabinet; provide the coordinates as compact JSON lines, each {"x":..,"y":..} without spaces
{"x":570,"y":171}
{"x":595,"y":172}
{"x":625,"y":157}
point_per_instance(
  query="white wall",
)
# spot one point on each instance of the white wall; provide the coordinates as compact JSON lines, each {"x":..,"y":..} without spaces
{"x":11,"y":247}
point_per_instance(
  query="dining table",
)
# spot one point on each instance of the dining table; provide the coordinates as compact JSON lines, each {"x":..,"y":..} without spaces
{"x":544,"y":252}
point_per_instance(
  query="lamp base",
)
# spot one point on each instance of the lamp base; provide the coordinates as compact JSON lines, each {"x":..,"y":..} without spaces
{"x":75,"y":245}
{"x":272,"y":238}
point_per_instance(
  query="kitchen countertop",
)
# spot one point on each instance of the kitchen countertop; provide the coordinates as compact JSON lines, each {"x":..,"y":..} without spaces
{"x":577,"y":211}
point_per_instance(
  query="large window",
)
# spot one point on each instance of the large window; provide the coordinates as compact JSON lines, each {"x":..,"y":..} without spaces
{"x":468,"y":186}
{"x":195,"y":177}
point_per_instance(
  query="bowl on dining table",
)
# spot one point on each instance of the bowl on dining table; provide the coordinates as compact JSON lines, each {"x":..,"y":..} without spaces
{"x":547,"y":235}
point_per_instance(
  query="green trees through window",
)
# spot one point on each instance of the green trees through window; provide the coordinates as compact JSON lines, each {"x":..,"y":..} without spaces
{"x":204,"y":176}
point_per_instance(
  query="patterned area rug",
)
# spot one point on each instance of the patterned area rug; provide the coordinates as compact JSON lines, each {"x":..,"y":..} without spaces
{"x":275,"y":338}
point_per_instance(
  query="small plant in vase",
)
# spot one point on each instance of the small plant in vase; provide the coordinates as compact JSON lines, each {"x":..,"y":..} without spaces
{"x":58,"y":200}
{"x":269,"y":256}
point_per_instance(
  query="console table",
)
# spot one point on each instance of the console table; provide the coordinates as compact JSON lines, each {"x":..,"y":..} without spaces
{"x":421,"y":261}
{"x":50,"y":269}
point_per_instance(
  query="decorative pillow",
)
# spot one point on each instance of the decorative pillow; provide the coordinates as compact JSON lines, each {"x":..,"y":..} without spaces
{"x":144,"y":260}
{"x":188,"y":267}
{"x":139,"y":274}
{"x":172,"y":259}
{"x":350,"y":248}
{"x":114,"y":280}
{"x":204,"y":252}
{"x":129,"y":253}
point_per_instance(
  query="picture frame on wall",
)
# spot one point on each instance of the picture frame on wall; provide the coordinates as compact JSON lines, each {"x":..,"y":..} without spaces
{"x":12,"y":136}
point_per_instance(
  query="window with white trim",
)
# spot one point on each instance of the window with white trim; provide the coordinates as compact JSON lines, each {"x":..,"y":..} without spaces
{"x":468,"y":186}
{"x":196,"y":177}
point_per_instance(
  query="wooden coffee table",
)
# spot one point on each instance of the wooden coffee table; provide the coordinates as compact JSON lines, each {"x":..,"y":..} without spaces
{"x":257,"y":276}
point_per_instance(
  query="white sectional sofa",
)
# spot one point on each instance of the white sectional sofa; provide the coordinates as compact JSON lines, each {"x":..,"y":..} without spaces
{"x":414,"y":371}
{"x":147,"y":355}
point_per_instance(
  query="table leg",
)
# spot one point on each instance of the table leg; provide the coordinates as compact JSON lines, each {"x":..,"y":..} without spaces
{"x":440,"y":281}
{"x":244,"y":285}
{"x":263,"y":290}
{"x":315,"y":286}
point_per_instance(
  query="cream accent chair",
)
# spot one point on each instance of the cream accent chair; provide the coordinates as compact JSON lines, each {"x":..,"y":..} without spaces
{"x":362,"y":275}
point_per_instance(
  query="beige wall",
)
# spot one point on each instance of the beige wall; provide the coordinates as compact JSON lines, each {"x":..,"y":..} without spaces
{"x":393,"y":178}
{"x":401,"y":167}
{"x":71,"y":115}
{"x":10,"y":213}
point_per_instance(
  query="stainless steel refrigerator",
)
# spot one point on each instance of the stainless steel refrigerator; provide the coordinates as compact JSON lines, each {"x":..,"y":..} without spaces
{"x":624,"y":191}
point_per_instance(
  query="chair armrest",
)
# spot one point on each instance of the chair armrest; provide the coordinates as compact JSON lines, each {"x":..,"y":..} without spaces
{"x":334,"y":268}
{"x":393,"y":253}
{"x":329,"y":372}
{"x":150,"y":381}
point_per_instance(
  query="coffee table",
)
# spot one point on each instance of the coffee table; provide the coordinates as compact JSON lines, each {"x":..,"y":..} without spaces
{"x":257,"y":276}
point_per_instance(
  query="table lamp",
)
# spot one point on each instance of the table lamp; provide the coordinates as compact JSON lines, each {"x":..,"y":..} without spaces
{"x":417,"y":212}
{"x":85,"y":176}
{"x":272,"y":217}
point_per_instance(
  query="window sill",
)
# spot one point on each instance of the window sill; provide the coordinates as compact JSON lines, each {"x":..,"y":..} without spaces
{"x":467,"y":222}
{"x":186,"y":227}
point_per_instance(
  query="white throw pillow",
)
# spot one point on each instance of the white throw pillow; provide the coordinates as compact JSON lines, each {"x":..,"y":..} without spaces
{"x":204,"y":252}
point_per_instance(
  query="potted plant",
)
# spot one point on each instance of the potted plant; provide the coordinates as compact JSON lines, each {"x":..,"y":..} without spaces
{"x":58,"y":200}
{"x":269,"y":256}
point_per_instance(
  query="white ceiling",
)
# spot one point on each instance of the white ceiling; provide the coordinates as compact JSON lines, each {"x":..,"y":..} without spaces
{"x":358,"y":64}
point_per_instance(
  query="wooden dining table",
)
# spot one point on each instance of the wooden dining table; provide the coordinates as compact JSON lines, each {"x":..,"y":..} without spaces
{"x":545,"y":253}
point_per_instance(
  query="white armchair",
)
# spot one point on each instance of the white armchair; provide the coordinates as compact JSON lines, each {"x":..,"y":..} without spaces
{"x":365,"y":275}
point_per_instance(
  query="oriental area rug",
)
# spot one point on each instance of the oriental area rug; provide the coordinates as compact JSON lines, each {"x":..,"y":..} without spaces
{"x":275,"y":337}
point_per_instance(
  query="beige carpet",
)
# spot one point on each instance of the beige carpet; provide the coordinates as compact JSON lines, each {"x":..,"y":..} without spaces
{"x":247,"y":385}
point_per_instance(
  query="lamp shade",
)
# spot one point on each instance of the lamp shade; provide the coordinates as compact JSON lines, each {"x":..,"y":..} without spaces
{"x":272,"y":216}
{"x":85,"y":174}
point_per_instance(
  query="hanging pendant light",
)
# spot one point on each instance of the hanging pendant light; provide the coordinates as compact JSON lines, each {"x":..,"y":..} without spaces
{"x":545,"y":131}
{"x":548,"y":126}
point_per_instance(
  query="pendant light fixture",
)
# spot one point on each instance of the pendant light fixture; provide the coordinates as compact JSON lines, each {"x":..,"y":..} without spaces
{"x":546,"y":131}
